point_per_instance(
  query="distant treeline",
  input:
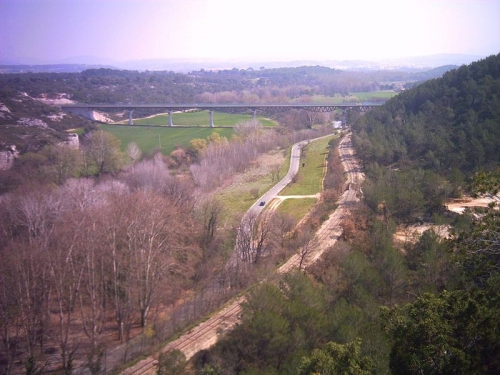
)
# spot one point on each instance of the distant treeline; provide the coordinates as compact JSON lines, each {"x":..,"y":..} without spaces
{"x":107,"y":85}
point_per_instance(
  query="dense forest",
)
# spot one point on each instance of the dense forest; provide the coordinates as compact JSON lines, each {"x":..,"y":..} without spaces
{"x":448,"y":125}
{"x":422,"y":146}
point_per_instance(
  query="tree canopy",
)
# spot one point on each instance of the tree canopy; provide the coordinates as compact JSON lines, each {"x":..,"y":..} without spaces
{"x":444,"y":124}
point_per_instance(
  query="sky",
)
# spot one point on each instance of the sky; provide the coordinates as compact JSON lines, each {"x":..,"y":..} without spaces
{"x":49,"y":31}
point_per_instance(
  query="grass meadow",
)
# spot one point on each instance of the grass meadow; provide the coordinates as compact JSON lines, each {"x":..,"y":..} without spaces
{"x":354,"y":97}
{"x":297,"y":208}
{"x":164,"y":139}
{"x":373,"y":96}
{"x":309,"y":179}
{"x":153,"y":134}
{"x":201,"y":118}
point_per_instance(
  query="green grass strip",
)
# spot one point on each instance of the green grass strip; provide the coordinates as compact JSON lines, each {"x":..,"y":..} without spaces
{"x":201,"y":118}
{"x":297,"y":208}
{"x":163,"y":139}
{"x":310,"y":176}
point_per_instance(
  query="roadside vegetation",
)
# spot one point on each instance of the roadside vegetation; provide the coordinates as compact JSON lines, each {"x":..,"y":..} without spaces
{"x":309,"y":179}
{"x":243,"y":190}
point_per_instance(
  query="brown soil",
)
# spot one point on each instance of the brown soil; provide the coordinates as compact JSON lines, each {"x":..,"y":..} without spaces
{"x":413,"y":232}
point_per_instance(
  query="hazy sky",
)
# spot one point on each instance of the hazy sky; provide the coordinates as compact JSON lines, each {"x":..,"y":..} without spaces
{"x":256,"y":30}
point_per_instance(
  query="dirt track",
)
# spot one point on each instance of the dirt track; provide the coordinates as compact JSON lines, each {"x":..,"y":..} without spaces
{"x":206,"y":334}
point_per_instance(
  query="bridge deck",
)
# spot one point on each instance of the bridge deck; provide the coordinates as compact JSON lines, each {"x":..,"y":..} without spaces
{"x":222,"y":106}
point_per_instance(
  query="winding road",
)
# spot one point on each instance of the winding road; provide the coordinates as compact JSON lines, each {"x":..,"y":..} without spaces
{"x":206,"y":334}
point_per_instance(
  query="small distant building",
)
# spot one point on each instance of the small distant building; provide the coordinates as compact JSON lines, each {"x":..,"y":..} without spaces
{"x":337,"y":124}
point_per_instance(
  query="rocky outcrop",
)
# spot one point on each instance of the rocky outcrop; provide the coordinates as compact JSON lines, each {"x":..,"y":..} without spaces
{"x":4,"y":111}
{"x":7,"y":157}
{"x":101,"y":117}
{"x":73,"y":140}
{"x":32,"y":122}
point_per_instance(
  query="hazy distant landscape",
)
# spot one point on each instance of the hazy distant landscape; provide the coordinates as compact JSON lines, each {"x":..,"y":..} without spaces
{"x":79,"y":64}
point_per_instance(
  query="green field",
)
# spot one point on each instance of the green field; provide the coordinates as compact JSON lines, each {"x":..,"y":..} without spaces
{"x":164,"y":139}
{"x":201,"y":118}
{"x":354,"y":97}
{"x":310,"y":176}
{"x":373,"y":96}
{"x":297,"y":208}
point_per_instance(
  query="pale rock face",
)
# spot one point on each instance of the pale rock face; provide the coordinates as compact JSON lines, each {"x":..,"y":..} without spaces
{"x":101,"y":117}
{"x":57,"y":117}
{"x":4,"y":111}
{"x":32,"y":122}
{"x":7,"y":157}
{"x":73,"y":140}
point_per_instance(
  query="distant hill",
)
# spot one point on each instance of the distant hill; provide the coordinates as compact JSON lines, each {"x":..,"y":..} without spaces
{"x":78,"y":64}
{"x":410,"y":64}
{"x":49,"y":68}
{"x":436,"y":72}
{"x":437,"y":60}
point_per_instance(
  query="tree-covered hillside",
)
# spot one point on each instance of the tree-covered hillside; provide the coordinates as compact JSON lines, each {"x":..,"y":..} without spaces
{"x":449,"y":125}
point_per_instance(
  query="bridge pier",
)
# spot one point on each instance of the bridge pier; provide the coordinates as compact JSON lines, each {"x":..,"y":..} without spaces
{"x":170,"y":120}
{"x":211,"y":119}
{"x":254,"y":117}
{"x":130,"y":120}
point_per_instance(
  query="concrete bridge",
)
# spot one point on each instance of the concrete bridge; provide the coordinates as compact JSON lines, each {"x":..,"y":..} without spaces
{"x":82,"y":109}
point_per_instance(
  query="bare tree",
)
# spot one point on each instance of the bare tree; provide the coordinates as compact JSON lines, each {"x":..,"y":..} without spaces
{"x":114,"y":244}
{"x":66,"y":274}
{"x":253,"y":237}
{"x":93,"y":294}
{"x":283,"y":225}
{"x":10,"y":332}
{"x":244,"y":238}
{"x":247,"y":129}
{"x":31,"y":291}
{"x":205,"y":97}
{"x":305,"y":244}
{"x":151,"y":236}
{"x":262,"y":232}
{"x":210,"y":216}
{"x":134,"y":152}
